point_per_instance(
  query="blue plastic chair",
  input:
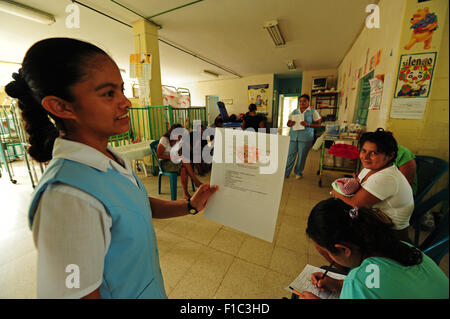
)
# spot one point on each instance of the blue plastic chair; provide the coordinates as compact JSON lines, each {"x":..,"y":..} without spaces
{"x":226,"y":119}
{"x":420,"y":209}
{"x":436,"y":244}
{"x":173,"y":176}
{"x":438,"y":250}
{"x":428,"y":169}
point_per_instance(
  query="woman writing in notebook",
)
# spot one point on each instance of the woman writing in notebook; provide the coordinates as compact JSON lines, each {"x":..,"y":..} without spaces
{"x":89,"y":210}
{"x":382,"y":266}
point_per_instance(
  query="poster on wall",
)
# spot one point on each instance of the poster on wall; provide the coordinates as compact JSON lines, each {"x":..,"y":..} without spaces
{"x":141,"y":66}
{"x":409,"y":108}
{"x":376,"y":91}
{"x":258,"y":94}
{"x":423,"y":24}
{"x":414,"y":75}
{"x":377,"y":59}
{"x":141,"y":69}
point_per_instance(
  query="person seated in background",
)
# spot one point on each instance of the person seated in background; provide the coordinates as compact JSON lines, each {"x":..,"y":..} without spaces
{"x":363,"y":239}
{"x":253,"y":120}
{"x":163,"y":151}
{"x":406,"y":163}
{"x":383,"y":186}
{"x":198,"y":145}
{"x":218,"y":121}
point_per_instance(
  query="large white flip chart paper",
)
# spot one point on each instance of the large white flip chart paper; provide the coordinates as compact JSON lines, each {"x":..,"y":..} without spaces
{"x":249,"y":169}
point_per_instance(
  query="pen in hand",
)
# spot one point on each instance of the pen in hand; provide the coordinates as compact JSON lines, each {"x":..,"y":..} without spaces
{"x":324,"y":274}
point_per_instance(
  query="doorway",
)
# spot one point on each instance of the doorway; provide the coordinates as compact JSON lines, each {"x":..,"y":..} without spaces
{"x":287,"y":104}
{"x":212,"y":108}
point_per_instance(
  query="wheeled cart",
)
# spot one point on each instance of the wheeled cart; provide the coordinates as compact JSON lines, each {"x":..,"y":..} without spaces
{"x":347,"y":164}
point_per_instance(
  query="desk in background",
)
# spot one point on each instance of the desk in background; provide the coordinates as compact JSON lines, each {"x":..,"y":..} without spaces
{"x":135,"y":152}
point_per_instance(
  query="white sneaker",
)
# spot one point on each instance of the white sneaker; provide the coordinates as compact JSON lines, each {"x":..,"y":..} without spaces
{"x":298,"y":176}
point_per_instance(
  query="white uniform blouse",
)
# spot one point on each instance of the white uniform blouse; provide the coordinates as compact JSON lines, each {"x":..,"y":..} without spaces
{"x":71,"y":227}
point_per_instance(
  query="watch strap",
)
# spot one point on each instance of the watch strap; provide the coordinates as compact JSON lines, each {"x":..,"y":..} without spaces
{"x":191,"y":209}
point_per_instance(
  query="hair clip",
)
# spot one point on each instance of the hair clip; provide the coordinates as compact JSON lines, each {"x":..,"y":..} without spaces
{"x":353,"y":212}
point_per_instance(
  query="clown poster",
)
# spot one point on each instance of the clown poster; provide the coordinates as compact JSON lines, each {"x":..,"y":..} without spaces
{"x":414,"y":75}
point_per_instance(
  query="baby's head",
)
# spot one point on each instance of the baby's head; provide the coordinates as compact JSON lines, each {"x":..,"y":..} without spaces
{"x":348,"y":186}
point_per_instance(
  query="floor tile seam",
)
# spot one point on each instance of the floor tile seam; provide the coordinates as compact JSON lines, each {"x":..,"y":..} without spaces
{"x":291,"y":250}
{"x":223,"y":277}
{"x":210,"y":240}
{"x":181,"y":242}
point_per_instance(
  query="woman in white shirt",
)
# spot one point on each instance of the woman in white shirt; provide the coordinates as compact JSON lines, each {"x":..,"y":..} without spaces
{"x":383,"y":186}
{"x":167,"y":146}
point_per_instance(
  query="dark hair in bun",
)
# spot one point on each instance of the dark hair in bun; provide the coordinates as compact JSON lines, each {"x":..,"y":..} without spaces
{"x":50,"y":67}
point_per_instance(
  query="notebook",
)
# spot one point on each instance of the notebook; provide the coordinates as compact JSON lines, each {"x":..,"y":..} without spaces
{"x":303,"y":282}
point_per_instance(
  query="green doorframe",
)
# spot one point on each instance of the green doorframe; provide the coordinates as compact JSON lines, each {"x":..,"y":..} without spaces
{"x":276,"y":97}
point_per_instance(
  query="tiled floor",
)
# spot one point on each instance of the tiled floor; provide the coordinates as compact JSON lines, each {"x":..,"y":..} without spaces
{"x":199,"y":258}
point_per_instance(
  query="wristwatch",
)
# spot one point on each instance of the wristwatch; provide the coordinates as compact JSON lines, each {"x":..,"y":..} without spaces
{"x":191,"y":209}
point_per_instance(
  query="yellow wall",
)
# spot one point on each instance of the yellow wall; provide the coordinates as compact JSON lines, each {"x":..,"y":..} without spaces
{"x":3,"y":94}
{"x":146,"y":41}
{"x":367,"y":44}
{"x":429,"y":135}
{"x":234,"y":89}
{"x":426,"y":136}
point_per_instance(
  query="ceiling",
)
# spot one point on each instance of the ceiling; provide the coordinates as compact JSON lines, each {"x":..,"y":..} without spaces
{"x":228,"y":33}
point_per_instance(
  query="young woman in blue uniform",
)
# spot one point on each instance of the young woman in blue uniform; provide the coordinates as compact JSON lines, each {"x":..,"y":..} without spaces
{"x":90,"y":214}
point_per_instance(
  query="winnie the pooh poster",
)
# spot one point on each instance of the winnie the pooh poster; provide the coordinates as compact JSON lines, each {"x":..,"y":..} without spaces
{"x":423,"y":24}
{"x":415,"y":74}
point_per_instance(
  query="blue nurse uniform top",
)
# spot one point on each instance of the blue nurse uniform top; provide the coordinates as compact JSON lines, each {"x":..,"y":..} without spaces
{"x":131,"y":268}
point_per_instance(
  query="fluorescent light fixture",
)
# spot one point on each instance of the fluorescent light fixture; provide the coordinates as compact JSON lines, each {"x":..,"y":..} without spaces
{"x":274,"y":32}
{"x":210,"y":74}
{"x":26,"y":12}
{"x":290,"y":64}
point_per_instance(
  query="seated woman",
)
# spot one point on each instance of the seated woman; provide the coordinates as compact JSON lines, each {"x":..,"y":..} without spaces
{"x":183,"y":168}
{"x":197,"y":145}
{"x":218,"y":121}
{"x":406,"y":163}
{"x":253,"y":120}
{"x":383,"y":186}
{"x":382,"y":266}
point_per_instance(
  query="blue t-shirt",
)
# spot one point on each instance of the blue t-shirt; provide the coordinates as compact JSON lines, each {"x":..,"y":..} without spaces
{"x":384,"y":278}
